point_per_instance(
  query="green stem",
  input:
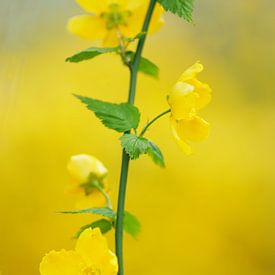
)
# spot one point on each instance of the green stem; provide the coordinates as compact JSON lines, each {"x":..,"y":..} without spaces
{"x":152,"y":121}
{"x":135,"y":64}
{"x":98,"y":185}
{"x":106,"y":196}
{"x":125,"y":158}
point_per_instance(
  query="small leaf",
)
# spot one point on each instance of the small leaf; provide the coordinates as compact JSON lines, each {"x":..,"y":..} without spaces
{"x":145,"y":65}
{"x":119,"y":117}
{"x":183,"y":8}
{"x":90,"y":53}
{"x":103,"y":211}
{"x":131,"y":224}
{"x":103,"y":224}
{"x":155,"y":153}
{"x":148,"y":67}
{"x":136,"y":146}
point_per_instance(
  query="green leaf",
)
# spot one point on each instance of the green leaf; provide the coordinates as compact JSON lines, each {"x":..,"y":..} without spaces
{"x":148,"y":67}
{"x":183,"y":8}
{"x":103,"y":224}
{"x":131,"y":224}
{"x":145,"y":65}
{"x":120,"y":117}
{"x":154,"y":152}
{"x":90,"y":53}
{"x":136,"y":146}
{"x":103,"y":211}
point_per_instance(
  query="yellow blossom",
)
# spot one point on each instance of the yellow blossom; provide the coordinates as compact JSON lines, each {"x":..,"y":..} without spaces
{"x":85,"y":169}
{"x":110,"y":19}
{"x":90,"y":257}
{"x":187,"y":97}
{"x":81,"y":166}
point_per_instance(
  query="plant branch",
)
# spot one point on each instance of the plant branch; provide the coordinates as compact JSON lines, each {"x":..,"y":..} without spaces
{"x":125,"y":158}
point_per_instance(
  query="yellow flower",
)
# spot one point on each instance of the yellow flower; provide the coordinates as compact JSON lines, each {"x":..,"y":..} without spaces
{"x":187,"y":97}
{"x":90,"y":257}
{"x":111,"y":18}
{"x":81,"y":166}
{"x":86,"y":170}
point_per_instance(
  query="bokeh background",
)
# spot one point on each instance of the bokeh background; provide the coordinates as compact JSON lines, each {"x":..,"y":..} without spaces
{"x":211,"y":213}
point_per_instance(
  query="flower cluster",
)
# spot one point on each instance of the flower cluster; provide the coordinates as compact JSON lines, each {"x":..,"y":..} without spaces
{"x":188,"y":96}
{"x":112,"y":19}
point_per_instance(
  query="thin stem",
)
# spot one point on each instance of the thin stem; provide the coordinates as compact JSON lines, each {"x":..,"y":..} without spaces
{"x":125,"y":158}
{"x":97,"y":185}
{"x":152,"y":121}
{"x":140,"y":46}
{"x":120,"y":210}
{"x":106,"y":196}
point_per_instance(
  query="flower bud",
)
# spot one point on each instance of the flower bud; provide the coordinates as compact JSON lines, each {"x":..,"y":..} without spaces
{"x":81,"y":166}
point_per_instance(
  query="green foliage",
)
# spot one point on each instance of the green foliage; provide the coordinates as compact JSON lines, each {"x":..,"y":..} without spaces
{"x":148,"y":67}
{"x":145,"y":65}
{"x":131,"y":224}
{"x":136,"y":146}
{"x":103,"y":224}
{"x":183,"y":8}
{"x":90,"y":53}
{"x":103,"y":211}
{"x":119,"y":117}
{"x":154,"y":152}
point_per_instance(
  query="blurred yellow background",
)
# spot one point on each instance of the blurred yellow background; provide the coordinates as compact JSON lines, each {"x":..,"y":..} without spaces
{"x":208,"y":214}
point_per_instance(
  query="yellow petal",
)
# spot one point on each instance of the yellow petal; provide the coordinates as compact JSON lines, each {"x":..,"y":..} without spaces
{"x":203,"y":91}
{"x":181,"y":143}
{"x":157,"y":20}
{"x":81,"y":166}
{"x":100,"y":6}
{"x":195,"y":129}
{"x":135,"y":20}
{"x":94,"y":6}
{"x":111,"y":39}
{"x":110,"y":264}
{"x":191,"y":72}
{"x":182,"y":101}
{"x":61,"y":263}
{"x":92,"y":246}
{"x":95,"y":199}
{"x":87,"y":27}
{"x":131,"y":5}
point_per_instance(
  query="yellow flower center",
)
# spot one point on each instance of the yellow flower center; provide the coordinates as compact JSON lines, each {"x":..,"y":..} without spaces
{"x":115,"y":16}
